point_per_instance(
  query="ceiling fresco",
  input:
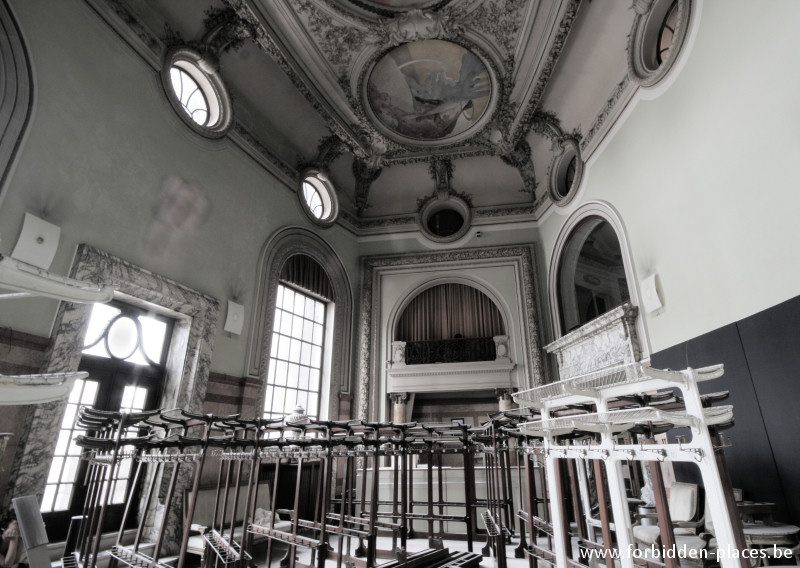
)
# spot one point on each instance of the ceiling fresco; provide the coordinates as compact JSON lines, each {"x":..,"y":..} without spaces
{"x":381,"y":93}
{"x":429,"y":90}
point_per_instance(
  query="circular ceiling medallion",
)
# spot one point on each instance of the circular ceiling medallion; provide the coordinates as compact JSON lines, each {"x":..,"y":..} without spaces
{"x":430,"y":92}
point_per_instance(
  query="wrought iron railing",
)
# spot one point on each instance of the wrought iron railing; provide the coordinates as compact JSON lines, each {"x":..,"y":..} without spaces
{"x":450,"y":351}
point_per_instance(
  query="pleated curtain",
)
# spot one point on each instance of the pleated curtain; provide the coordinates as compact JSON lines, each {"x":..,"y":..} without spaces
{"x":443,"y":311}
{"x":304,"y":272}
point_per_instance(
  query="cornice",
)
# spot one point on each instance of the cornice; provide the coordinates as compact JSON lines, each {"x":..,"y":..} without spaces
{"x":626,"y":313}
{"x":565,"y":26}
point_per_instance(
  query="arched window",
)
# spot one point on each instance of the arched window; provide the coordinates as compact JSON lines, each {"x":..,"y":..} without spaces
{"x":299,"y":266}
{"x":299,"y":362}
{"x":591,"y":277}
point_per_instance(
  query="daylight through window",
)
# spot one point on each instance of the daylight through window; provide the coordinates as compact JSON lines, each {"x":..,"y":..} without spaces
{"x":296,"y":354}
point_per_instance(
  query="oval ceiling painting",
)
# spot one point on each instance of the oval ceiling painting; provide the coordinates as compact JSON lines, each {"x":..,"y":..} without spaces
{"x":429,"y":91}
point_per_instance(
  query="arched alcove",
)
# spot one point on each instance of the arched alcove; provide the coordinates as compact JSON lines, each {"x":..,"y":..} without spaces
{"x":593,"y":242}
{"x":591,"y":274}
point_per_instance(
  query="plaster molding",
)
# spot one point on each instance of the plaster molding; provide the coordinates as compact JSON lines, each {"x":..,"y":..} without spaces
{"x":640,"y":38}
{"x":608,"y":213}
{"x":523,"y":124}
{"x":17,"y":100}
{"x":369,"y":336}
{"x":188,"y":362}
{"x":450,"y":377}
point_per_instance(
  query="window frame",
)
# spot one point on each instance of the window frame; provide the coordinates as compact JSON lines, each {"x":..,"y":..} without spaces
{"x":204,"y":73}
{"x":319,"y":180}
{"x":111,"y":375}
{"x":275,"y":361}
{"x":607,"y":212}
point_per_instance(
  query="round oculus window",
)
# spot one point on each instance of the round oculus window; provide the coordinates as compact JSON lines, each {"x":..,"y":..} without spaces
{"x":197,"y":93}
{"x":566,"y":171}
{"x":445,"y":220}
{"x":318,"y":198}
{"x":656,"y":38}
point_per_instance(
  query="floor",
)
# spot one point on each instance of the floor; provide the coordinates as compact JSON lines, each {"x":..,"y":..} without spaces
{"x":413,"y":545}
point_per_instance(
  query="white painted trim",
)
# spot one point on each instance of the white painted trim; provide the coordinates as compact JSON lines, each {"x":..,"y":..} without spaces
{"x":607,"y":212}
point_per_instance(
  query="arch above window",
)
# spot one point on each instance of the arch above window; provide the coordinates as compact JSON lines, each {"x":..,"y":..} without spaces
{"x":592,"y":253}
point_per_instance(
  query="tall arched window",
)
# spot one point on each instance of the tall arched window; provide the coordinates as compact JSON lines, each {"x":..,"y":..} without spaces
{"x":299,"y":362}
{"x":591,"y":276}
{"x":297,"y":265}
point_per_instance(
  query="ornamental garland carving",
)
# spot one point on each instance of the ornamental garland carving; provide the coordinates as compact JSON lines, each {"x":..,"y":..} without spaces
{"x":338,"y":42}
{"x":564,"y":28}
{"x":499,"y":19}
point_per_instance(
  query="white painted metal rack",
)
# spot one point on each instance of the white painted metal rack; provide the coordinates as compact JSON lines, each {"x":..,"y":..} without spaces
{"x":597,"y":389}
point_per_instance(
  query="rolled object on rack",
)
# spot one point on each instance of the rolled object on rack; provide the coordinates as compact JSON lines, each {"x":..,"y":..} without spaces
{"x":36,"y":389}
{"x":26,"y":278}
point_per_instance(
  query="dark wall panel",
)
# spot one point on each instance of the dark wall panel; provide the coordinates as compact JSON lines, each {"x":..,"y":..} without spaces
{"x":752,"y":464}
{"x":772,"y":348}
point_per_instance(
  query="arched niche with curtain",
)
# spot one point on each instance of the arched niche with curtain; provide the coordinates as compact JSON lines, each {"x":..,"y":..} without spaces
{"x":300,"y":260}
{"x":450,"y":323}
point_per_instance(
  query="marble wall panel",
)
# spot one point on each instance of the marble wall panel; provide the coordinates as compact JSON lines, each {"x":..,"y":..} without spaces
{"x":188,"y":364}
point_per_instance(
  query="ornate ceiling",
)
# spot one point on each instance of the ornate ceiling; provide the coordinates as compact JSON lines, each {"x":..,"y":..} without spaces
{"x":407,"y":101}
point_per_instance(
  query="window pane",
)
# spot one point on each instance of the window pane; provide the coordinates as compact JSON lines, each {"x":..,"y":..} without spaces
{"x":294,"y":350}
{"x":316,"y":357}
{"x":279,"y":399}
{"x":293,"y":353}
{"x":313,"y":400}
{"x":299,"y":304}
{"x":89,"y":392}
{"x":288,"y":299}
{"x":313,"y":380}
{"x":75,"y":393}
{"x":63,"y":495}
{"x":291,"y":379}
{"x":55,"y":470}
{"x":281,"y":372}
{"x":297,"y":326}
{"x":47,"y":499}
{"x":302,"y":381}
{"x":63,"y":442}
{"x":70,"y":468}
{"x":286,"y":324}
{"x":69,"y":416}
{"x":308,"y":331}
{"x":153,"y":332}
{"x":283,"y":347}
{"x":101,"y":315}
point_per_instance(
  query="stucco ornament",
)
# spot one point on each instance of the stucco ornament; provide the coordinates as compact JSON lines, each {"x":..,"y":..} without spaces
{"x":417,"y":25}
